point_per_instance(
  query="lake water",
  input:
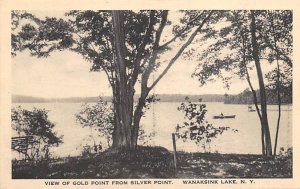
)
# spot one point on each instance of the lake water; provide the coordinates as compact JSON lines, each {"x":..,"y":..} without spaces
{"x":162,"y":119}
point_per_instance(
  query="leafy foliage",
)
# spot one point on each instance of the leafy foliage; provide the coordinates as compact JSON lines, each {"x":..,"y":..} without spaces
{"x":151,"y":99}
{"x":244,"y":39}
{"x":90,"y":33}
{"x":195,"y":127}
{"x":36,"y":123}
{"x":99,"y":116}
{"x":230,"y":50}
{"x":285,"y":84}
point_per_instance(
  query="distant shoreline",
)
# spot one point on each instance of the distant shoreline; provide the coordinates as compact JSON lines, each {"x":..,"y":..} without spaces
{"x":162,"y":97}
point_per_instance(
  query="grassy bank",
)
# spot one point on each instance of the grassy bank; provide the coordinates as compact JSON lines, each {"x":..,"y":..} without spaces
{"x":157,"y":162}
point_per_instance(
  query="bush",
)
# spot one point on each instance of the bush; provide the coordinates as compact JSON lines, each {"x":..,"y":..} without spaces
{"x":195,"y":127}
{"x":35,"y":123}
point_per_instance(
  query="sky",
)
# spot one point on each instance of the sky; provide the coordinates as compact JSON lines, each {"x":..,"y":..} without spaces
{"x":66,"y":74}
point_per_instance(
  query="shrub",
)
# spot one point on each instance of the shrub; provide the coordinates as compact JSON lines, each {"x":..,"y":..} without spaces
{"x":195,"y":127}
{"x":37,"y":124}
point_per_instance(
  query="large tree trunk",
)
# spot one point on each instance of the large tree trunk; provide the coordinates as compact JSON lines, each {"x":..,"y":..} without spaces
{"x":263,"y":99}
{"x":123,"y":94}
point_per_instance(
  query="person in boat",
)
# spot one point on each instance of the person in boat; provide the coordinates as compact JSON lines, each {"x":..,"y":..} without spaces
{"x":222,"y":115}
{"x":250,"y":108}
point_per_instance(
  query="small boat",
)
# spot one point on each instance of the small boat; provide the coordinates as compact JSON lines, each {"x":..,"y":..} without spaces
{"x":224,"y":117}
{"x":250,"y":109}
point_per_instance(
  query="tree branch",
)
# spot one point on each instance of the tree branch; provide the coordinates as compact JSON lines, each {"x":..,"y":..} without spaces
{"x":181,"y":32}
{"x":147,"y":72}
{"x":155,"y":52}
{"x":160,"y":29}
{"x":141,"y":48}
{"x":282,"y":56}
{"x":92,"y":47}
{"x":184,"y":46}
{"x":145,"y":76}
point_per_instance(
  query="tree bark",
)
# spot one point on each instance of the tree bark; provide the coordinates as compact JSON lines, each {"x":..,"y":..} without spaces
{"x":123,"y":97}
{"x":263,"y":99}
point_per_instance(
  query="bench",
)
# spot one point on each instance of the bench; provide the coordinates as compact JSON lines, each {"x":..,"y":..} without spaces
{"x":22,"y":144}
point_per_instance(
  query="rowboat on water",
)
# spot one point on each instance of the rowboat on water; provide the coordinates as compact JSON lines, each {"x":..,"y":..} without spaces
{"x":250,"y":109}
{"x":224,"y":117}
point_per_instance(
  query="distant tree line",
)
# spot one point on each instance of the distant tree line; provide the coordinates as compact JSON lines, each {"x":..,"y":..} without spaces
{"x":246,"y":97}
{"x":161,"y":97}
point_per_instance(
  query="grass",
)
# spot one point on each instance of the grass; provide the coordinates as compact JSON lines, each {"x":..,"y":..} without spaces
{"x":147,"y":162}
{"x":213,"y":165}
{"x":157,"y":162}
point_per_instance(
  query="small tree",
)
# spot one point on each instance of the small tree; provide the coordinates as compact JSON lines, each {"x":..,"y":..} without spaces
{"x":195,"y":127}
{"x":35,"y":123}
{"x":99,"y":117}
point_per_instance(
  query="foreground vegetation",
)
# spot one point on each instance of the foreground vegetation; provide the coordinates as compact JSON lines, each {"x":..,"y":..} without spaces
{"x":147,"y":162}
{"x":212,"y":165}
{"x":157,"y":162}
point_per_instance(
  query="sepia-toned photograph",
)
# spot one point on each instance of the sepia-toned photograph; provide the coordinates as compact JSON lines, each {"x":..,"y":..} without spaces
{"x":143,"y":94}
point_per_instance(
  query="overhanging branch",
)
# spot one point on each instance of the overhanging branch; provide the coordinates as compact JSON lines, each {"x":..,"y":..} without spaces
{"x":181,"y":32}
{"x":184,"y":46}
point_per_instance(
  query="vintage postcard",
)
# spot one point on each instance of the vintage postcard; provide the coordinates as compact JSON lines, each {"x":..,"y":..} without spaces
{"x":143,"y":94}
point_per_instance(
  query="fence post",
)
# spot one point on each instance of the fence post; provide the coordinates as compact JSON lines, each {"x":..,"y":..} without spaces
{"x":174,"y":150}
